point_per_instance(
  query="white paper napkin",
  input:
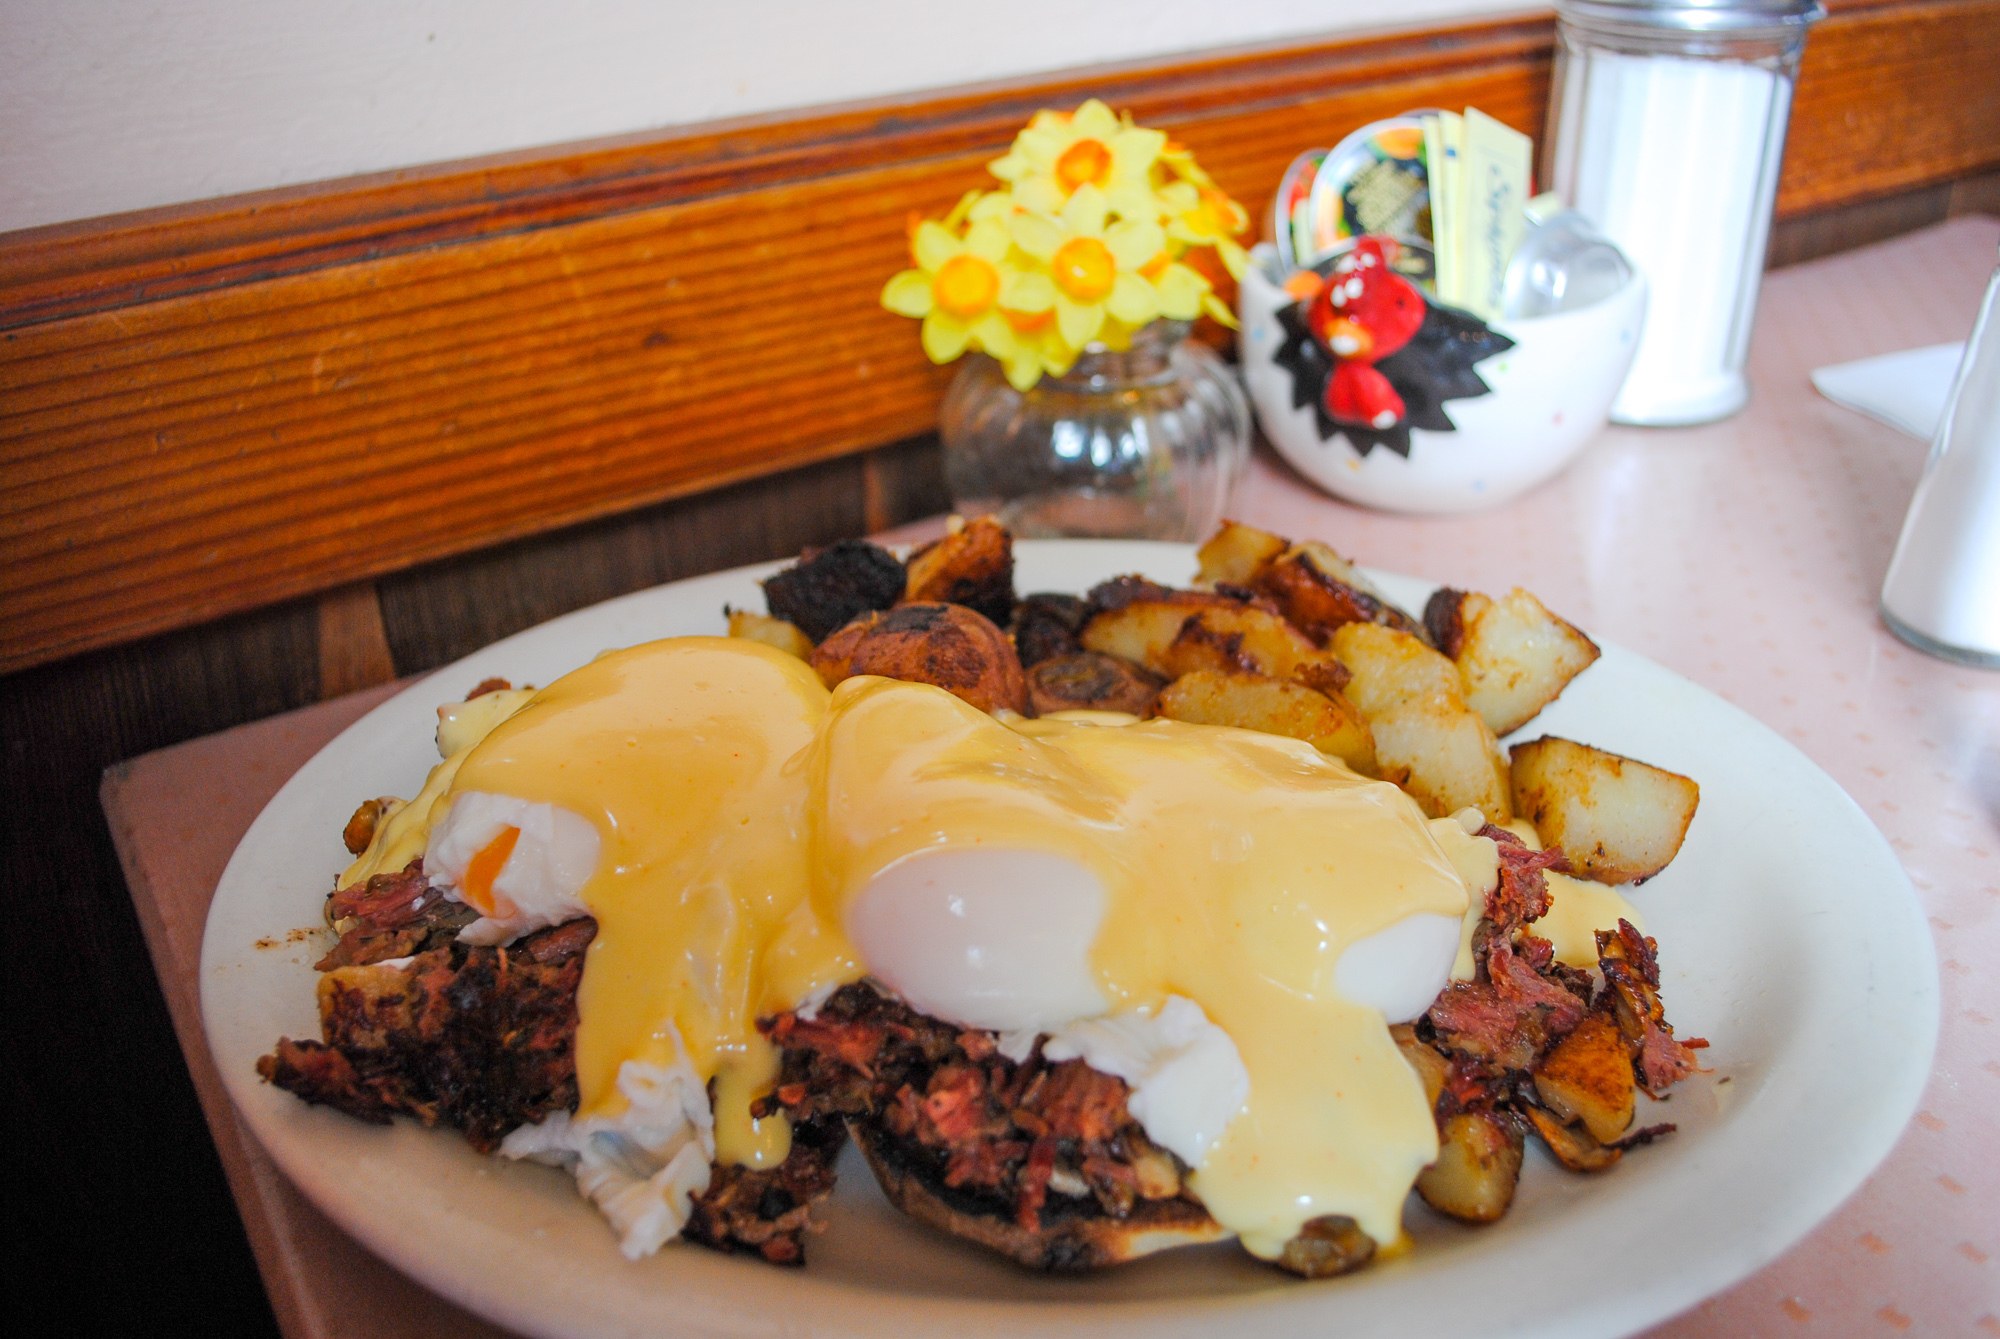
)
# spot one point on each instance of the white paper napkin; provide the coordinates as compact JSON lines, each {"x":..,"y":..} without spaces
{"x":1905,"y":390}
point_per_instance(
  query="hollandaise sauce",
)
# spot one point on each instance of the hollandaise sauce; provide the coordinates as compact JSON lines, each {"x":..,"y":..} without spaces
{"x":689,"y":758}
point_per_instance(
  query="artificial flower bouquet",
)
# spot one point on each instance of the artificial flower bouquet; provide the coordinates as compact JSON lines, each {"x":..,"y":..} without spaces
{"x":1096,"y":230}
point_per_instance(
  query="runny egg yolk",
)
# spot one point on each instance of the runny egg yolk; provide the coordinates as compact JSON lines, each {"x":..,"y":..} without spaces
{"x":480,"y":872}
{"x":757,"y":830}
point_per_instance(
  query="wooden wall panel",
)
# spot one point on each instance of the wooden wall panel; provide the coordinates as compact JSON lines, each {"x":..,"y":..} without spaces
{"x":1892,"y":96}
{"x":209,"y":409}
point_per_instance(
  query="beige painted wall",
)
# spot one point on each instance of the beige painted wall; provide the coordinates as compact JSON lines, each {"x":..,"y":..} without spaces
{"x":112,"y":105}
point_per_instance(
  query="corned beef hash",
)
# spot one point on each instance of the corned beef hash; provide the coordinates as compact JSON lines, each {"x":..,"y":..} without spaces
{"x":1161,"y":916}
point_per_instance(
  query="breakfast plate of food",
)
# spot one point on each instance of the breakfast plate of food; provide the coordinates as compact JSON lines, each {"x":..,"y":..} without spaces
{"x":1084,"y":936}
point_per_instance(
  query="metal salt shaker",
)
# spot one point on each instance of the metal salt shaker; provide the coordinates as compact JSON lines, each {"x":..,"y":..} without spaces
{"x":1942,"y":594}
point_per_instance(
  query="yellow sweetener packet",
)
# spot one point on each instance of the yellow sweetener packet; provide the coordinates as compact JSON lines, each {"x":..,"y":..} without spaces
{"x":1444,"y":155}
{"x":1498,"y":167}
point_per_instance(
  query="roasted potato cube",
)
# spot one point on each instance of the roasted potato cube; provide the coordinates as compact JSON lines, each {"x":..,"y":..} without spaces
{"x":1137,"y":620}
{"x":1234,"y":554}
{"x":1318,"y":590}
{"x":1389,"y":667}
{"x":1047,"y":625}
{"x":943,"y":644}
{"x":1572,"y":1146}
{"x":1431,"y":1066}
{"x":828,"y":587}
{"x":1515,"y":655}
{"x":1329,"y":722}
{"x":360,"y":829}
{"x":1414,"y":702}
{"x":1446,"y":757}
{"x":1157,"y":1172}
{"x":776,"y":632}
{"x":1087,"y":681}
{"x":1618,"y":820}
{"x":1587,"y":1077}
{"x":1328,"y":1245}
{"x":1177,"y":632}
{"x":1631,"y":967}
{"x":973,"y":565}
{"x":1477,"y":1168}
{"x":1250,"y":637}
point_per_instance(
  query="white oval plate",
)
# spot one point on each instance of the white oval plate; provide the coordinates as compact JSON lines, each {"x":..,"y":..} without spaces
{"x":1789,"y":937}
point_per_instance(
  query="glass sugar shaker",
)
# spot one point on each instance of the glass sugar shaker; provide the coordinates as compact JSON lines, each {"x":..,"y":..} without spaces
{"x":1942,"y":594}
{"x":1666,"y":130}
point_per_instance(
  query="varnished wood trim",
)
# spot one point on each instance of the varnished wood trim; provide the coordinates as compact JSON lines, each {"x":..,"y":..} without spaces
{"x":353,"y":647}
{"x":210,"y":409}
{"x":1890,"y":97}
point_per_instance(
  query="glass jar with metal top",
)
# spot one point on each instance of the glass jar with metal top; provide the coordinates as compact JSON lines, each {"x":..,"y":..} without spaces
{"x":1666,"y":129}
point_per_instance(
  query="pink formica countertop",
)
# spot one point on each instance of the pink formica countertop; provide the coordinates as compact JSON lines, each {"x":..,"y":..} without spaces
{"x":1745,"y":555}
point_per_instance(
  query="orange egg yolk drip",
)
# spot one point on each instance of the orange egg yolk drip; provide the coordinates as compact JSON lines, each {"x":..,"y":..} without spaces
{"x":483,"y":869}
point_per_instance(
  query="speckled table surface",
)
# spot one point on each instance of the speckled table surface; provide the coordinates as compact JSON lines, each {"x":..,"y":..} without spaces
{"x":1744,"y":555}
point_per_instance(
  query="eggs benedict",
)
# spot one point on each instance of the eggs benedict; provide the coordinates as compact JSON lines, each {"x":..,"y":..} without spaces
{"x":713,"y":911}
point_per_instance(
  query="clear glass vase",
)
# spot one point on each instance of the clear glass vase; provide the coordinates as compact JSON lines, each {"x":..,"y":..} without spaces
{"x":1146,"y":443}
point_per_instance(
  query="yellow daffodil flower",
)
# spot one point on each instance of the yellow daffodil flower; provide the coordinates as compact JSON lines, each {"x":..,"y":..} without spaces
{"x":1093,"y":265}
{"x":1204,"y":216}
{"x":1178,"y":159}
{"x":1178,"y":287}
{"x":1059,"y":153}
{"x":955,"y":290}
{"x":1102,"y":228}
{"x":1029,"y":307}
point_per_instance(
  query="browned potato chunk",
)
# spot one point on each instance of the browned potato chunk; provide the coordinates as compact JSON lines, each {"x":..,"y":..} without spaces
{"x":1587,"y":1077}
{"x":1328,"y":1245}
{"x":1616,"y":819}
{"x":360,"y":829}
{"x":1515,"y":655}
{"x":1250,"y":637}
{"x":1235,"y":553}
{"x":1572,"y":1146}
{"x":1327,"y":721}
{"x":973,"y":565}
{"x":1177,"y":632}
{"x":943,"y":644}
{"x":1136,"y":620}
{"x":1446,"y":757}
{"x":1391,"y":667}
{"x":1431,"y":1066}
{"x":1087,"y":681}
{"x":1477,"y":1168}
{"x":1414,"y":702}
{"x":1318,"y":590}
{"x":771,"y":631}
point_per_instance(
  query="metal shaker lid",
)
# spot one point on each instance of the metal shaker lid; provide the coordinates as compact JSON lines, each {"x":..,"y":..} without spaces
{"x":1743,"y":18}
